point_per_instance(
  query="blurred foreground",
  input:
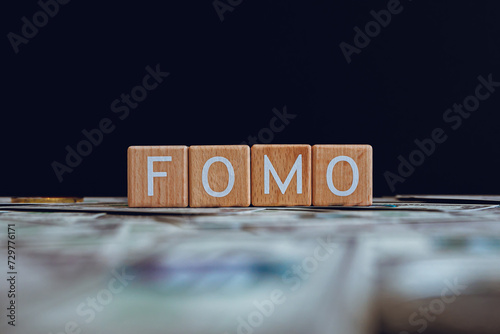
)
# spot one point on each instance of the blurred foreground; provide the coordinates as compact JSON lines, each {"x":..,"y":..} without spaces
{"x":407,"y":265}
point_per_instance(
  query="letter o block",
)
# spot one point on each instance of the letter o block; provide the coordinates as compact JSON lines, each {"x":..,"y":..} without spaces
{"x":281,"y":175}
{"x":157,"y":176}
{"x":219,"y":176}
{"x":342,"y":175}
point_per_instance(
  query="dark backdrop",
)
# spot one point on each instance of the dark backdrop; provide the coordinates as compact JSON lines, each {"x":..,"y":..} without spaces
{"x":227,"y":76}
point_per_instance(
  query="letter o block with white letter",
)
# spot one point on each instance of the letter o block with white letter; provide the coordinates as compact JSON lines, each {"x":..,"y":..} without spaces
{"x":281,"y":175}
{"x":342,"y":175}
{"x":219,"y":176}
{"x":157,"y":176}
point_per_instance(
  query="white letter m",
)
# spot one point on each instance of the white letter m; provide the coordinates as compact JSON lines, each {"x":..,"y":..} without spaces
{"x":268,"y":168}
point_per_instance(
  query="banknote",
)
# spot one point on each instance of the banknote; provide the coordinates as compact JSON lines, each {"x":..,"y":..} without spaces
{"x":98,"y":267}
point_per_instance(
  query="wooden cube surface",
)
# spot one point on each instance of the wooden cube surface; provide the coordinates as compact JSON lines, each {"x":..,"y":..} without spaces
{"x":281,"y":175}
{"x":219,"y":176}
{"x":157,"y":176}
{"x":342,"y":175}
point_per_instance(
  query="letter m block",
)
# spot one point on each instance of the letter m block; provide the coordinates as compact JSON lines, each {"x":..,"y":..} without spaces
{"x":281,"y":175}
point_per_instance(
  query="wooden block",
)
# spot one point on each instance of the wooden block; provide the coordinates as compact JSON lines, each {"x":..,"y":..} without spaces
{"x":158,"y":176}
{"x":219,"y":176}
{"x":281,"y":175}
{"x":342,"y":175}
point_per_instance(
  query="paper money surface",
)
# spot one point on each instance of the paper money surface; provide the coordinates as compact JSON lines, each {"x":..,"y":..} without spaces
{"x":395,"y":267}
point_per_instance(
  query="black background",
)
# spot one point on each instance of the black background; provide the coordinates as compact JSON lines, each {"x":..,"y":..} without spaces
{"x":227,"y":76}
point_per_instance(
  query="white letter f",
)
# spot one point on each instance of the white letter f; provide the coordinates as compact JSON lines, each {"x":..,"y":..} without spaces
{"x":152,"y":175}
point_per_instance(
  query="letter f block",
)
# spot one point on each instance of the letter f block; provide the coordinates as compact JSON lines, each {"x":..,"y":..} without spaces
{"x":157,"y":176}
{"x":281,"y":175}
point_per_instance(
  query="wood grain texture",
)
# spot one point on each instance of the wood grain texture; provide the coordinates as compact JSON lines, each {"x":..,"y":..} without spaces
{"x":282,"y":158}
{"x":342,"y":175}
{"x":218,"y":177}
{"x":169,"y":191}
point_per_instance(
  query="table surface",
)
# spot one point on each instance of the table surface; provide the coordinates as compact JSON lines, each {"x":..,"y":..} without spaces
{"x":101,"y":267}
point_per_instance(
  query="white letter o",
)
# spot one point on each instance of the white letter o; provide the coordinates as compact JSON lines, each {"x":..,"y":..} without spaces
{"x":204,"y":177}
{"x":355,"y":176}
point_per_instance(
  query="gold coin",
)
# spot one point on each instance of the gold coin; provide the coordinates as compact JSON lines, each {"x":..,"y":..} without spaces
{"x":46,"y":199}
